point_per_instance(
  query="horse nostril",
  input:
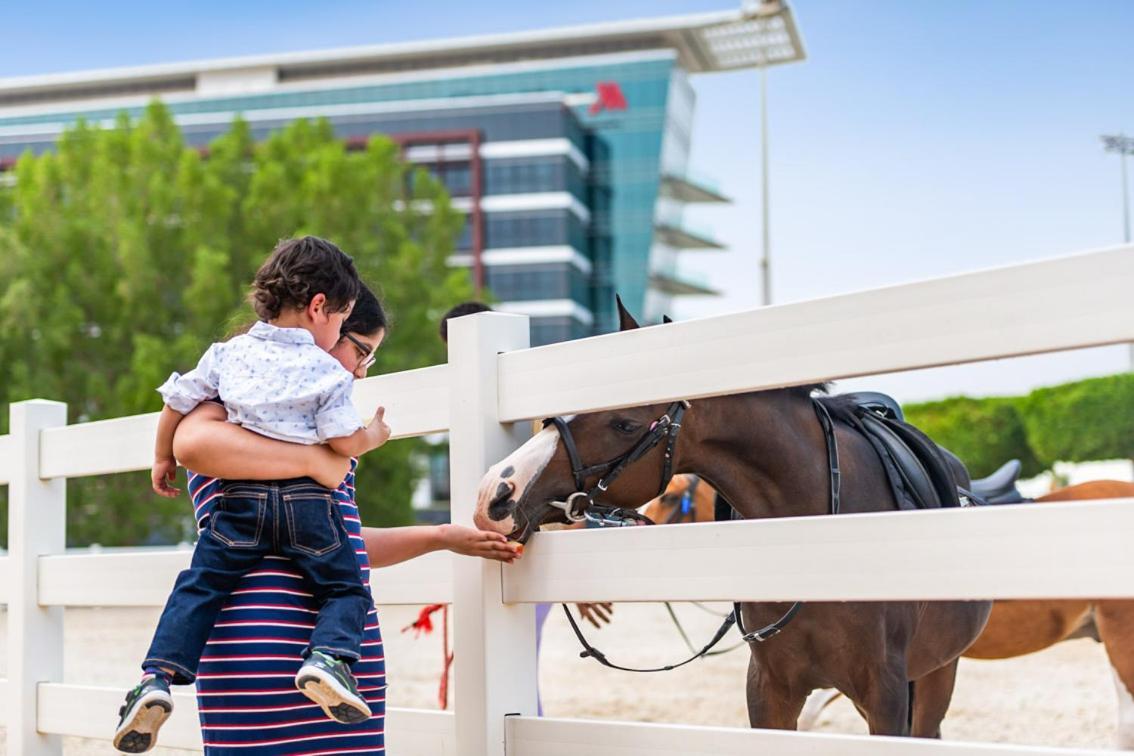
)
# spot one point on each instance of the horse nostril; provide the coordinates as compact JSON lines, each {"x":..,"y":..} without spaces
{"x":501,"y":504}
{"x":504,"y":490}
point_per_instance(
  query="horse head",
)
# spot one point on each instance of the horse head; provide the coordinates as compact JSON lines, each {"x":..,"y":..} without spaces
{"x":532,"y":485}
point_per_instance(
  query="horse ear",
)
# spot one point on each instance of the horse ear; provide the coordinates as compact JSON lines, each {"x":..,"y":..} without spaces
{"x":626,"y":321}
{"x":666,"y":319}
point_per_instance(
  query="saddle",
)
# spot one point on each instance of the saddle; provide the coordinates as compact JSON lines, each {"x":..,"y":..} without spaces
{"x":1000,"y":487}
{"x":917,"y":469}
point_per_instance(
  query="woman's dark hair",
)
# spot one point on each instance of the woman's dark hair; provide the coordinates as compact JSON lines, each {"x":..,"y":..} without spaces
{"x":367,"y":315}
{"x":297,"y":270}
{"x":464,"y":308}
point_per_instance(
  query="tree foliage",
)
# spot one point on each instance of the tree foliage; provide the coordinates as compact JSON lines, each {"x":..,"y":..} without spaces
{"x":1083,"y":421}
{"x":126,"y":252}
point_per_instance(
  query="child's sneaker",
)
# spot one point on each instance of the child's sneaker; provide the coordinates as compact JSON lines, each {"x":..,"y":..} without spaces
{"x":329,"y":683}
{"x":147,"y":707}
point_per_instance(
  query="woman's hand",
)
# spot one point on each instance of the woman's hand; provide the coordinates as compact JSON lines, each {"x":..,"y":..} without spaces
{"x":598,"y":614}
{"x":478,"y":543}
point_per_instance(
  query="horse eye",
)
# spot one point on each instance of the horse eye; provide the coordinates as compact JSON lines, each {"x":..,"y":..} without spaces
{"x":624,"y":426}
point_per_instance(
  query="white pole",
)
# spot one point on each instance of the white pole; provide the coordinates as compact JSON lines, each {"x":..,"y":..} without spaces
{"x":766,"y":250}
{"x":493,"y":643}
{"x":37,"y":526}
{"x":1125,"y":191}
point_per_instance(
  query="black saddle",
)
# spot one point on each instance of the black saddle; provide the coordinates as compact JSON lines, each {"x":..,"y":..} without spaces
{"x":917,"y":469}
{"x":1000,"y":487}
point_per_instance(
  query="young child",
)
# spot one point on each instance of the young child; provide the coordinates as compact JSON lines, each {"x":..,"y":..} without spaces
{"x":277,"y":380}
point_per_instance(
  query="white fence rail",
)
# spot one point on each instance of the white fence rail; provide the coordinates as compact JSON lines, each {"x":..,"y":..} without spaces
{"x":1077,"y":301}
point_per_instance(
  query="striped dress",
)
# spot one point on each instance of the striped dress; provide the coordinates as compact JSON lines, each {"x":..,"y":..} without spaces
{"x":245,"y":685}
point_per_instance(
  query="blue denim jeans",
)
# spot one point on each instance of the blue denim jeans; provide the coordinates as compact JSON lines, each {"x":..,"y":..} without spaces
{"x":296,"y":518}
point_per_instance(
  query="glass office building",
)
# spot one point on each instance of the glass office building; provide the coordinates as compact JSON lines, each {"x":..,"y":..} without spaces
{"x":568,"y":149}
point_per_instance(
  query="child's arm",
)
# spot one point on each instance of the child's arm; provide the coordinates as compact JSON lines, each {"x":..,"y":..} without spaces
{"x":165,"y":465}
{"x":338,"y":425}
{"x":181,"y":394}
{"x":364,"y":439}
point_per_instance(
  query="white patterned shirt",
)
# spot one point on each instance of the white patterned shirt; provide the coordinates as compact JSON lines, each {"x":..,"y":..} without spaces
{"x":274,"y":381}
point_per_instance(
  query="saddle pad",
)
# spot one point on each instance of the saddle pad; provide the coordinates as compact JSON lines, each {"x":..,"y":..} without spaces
{"x":916,"y":468}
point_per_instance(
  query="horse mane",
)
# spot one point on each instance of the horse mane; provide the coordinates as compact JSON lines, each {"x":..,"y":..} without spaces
{"x":805,"y":391}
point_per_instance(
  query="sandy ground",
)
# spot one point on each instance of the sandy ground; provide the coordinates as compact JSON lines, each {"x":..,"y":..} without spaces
{"x":1061,"y":697}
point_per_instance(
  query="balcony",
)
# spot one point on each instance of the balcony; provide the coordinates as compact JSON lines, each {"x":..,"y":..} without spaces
{"x":674,"y":281}
{"x":682,"y":236}
{"x":689,"y":187}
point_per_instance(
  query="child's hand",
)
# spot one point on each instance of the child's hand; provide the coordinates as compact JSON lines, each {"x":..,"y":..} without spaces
{"x":378,"y":427}
{"x":479,"y":543}
{"x":164,"y":472}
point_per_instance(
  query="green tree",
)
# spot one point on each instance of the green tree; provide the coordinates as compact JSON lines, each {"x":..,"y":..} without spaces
{"x":126,"y":252}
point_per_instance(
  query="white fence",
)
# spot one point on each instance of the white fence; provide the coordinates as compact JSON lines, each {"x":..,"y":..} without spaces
{"x":492,"y":380}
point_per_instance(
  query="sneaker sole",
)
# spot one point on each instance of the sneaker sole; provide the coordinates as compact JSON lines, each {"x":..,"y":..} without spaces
{"x":138,"y":733}
{"x":335,"y":701}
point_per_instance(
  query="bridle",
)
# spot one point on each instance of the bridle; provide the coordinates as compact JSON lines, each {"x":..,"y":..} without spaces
{"x":667,"y":426}
{"x":583,"y":504}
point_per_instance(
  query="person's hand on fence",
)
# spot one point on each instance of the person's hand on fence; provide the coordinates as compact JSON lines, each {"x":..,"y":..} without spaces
{"x":162,"y":475}
{"x":479,"y":543}
{"x":598,"y":614}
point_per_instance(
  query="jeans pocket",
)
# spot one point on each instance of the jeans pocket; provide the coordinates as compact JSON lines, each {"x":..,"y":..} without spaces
{"x":238,"y":519}
{"x":311,"y":523}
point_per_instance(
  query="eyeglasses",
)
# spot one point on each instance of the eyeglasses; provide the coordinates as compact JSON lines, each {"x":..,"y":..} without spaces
{"x":365,"y":353}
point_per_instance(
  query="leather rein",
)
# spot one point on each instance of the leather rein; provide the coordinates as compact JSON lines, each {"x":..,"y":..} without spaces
{"x":578,"y":506}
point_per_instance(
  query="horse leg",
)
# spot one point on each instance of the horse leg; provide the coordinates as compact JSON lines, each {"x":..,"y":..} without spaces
{"x":885,"y":702}
{"x":771,"y":705}
{"x":931,"y":696}
{"x":1115,"y":621}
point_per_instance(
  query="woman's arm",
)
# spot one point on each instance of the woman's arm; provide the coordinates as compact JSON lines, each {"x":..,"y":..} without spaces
{"x":387,"y":546}
{"x":207,"y":443}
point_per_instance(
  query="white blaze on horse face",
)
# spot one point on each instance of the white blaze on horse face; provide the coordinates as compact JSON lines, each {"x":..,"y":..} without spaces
{"x":512,"y":475}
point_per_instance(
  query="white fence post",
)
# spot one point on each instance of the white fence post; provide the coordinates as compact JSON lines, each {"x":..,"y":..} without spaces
{"x":37,"y":525}
{"x":494,"y":643}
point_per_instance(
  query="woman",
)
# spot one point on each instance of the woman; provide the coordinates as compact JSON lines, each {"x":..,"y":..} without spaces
{"x":245,"y":692}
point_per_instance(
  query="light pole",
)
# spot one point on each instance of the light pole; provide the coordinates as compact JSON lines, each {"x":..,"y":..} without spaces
{"x":766,"y":243}
{"x":763,"y":34}
{"x":1124,"y":146}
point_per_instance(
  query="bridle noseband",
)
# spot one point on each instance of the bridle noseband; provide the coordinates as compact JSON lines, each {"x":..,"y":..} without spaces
{"x":582,"y":502}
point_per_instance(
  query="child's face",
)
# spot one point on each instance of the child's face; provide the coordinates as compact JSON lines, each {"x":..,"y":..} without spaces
{"x":325,"y":326}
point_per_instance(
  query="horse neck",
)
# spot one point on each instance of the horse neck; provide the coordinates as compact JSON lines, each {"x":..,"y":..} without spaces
{"x":764,"y":452}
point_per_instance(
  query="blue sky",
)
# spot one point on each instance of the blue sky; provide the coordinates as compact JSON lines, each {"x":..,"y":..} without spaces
{"x":918,"y":139}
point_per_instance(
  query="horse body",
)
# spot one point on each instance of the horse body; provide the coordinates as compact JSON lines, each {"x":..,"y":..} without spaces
{"x":766,"y":453}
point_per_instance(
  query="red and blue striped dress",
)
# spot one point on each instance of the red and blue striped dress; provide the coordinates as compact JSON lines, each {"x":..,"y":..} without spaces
{"x":245,"y":684}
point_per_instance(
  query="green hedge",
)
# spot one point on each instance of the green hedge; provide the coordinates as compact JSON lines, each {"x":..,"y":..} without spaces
{"x":1082,"y":421}
{"x":984,"y":433}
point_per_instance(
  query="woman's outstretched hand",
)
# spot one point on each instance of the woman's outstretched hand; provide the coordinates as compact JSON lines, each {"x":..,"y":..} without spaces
{"x":478,"y":543}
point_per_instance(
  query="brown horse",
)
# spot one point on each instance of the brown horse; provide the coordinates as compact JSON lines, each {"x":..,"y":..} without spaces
{"x":766,"y":453}
{"x":1021,"y":627}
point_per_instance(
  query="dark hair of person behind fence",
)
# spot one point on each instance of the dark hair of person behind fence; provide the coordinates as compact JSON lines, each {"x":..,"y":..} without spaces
{"x":367,"y":315}
{"x":297,"y":270}
{"x":464,"y":308}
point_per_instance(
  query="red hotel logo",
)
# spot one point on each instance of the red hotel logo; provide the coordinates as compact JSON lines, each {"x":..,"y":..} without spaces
{"x":609,"y":97}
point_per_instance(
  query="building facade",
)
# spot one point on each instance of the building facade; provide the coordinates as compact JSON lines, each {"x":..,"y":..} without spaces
{"x":567,"y":149}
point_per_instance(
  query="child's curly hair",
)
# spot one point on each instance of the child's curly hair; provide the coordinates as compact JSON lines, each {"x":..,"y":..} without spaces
{"x":297,"y":270}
